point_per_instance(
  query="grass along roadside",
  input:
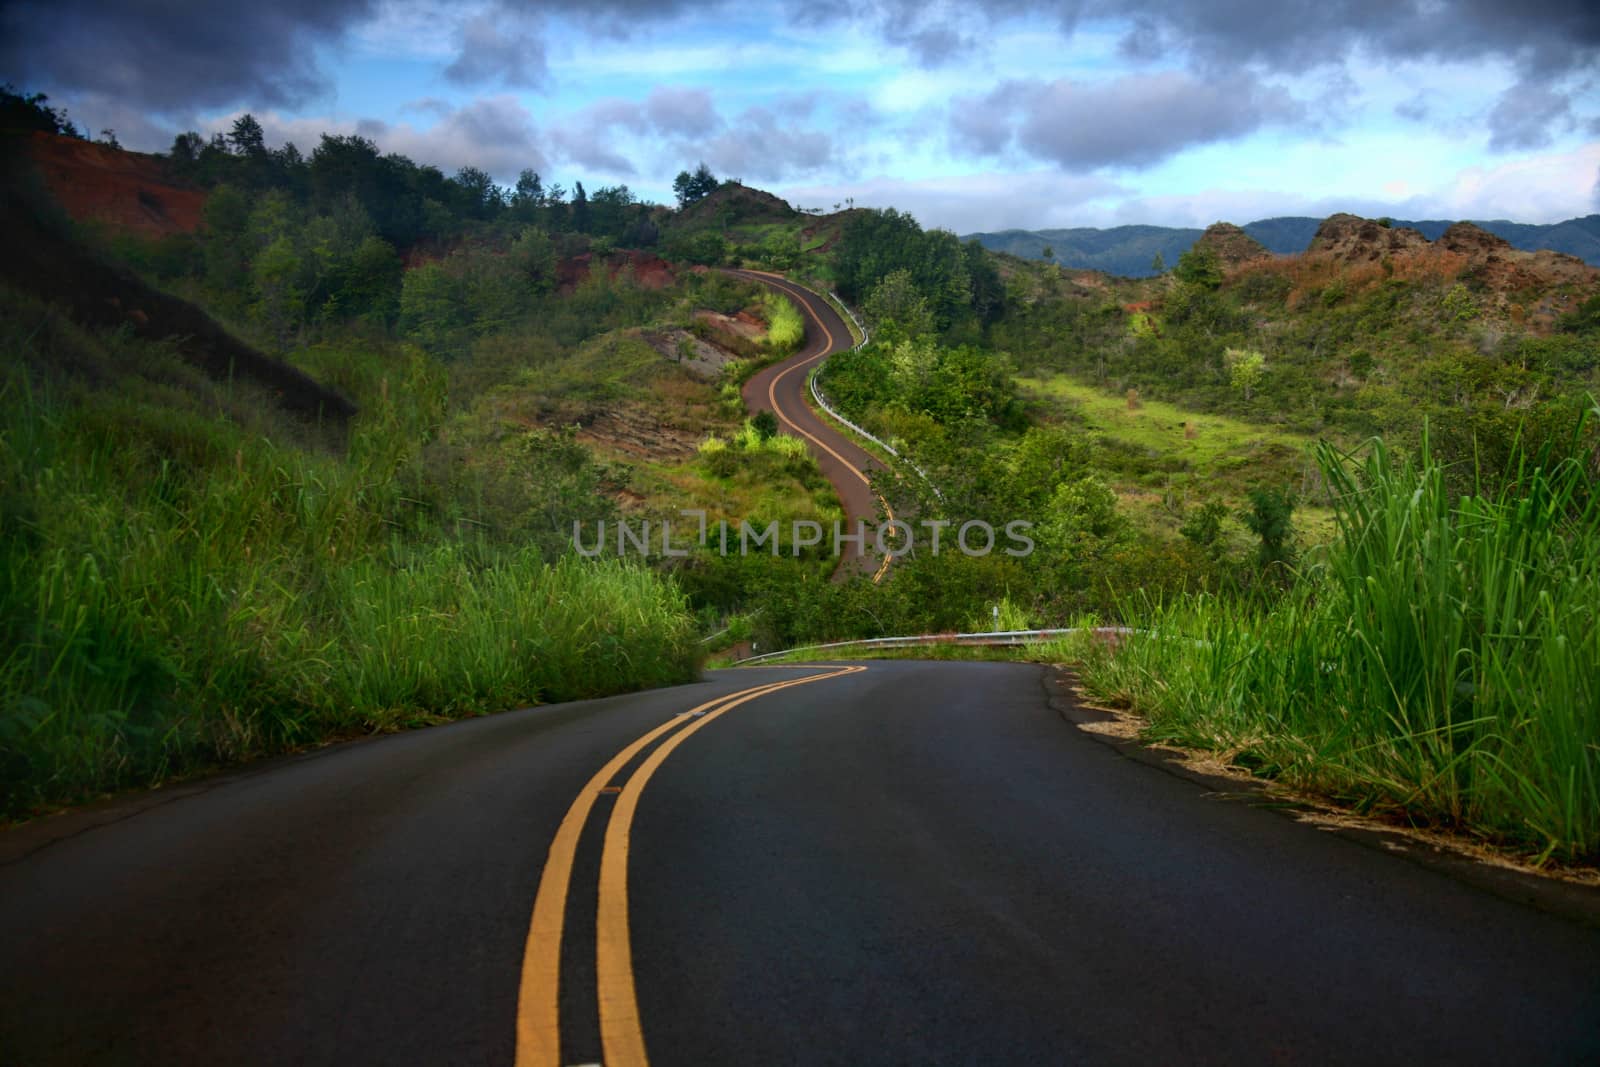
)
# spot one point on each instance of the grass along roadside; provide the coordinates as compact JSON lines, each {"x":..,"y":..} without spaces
{"x":184,"y":585}
{"x":1443,"y":667}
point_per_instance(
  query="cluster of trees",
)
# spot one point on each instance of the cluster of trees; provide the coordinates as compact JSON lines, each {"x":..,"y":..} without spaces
{"x":32,"y":112}
{"x":697,"y":186}
{"x":409,"y":203}
{"x":292,"y":242}
{"x":271,"y":259}
{"x":958,"y":283}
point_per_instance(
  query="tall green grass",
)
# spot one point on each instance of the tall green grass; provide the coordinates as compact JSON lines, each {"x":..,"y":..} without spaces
{"x":178,"y":589}
{"x":1443,"y":662}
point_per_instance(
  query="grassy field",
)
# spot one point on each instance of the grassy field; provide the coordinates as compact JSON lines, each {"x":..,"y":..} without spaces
{"x":1157,"y":453}
{"x":1200,"y":445}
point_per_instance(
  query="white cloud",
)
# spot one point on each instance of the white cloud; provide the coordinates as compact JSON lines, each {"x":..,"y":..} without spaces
{"x":971,"y":202}
{"x":1546,"y":188}
{"x":1538,"y":189}
{"x":495,"y":133}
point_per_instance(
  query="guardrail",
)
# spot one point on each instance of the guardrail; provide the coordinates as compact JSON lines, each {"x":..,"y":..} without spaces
{"x":859,"y":324}
{"x":822,"y":402}
{"x":995,"y":639}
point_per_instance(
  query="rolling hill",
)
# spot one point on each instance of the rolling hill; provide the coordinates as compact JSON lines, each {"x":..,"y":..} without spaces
{"x":1129,"y":251}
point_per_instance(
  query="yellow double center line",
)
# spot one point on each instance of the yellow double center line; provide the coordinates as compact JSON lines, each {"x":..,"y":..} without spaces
{"x":538,"y":1000}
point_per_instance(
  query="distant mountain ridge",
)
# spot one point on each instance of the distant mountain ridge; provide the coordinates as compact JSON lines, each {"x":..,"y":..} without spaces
{"x":1130,"y":251}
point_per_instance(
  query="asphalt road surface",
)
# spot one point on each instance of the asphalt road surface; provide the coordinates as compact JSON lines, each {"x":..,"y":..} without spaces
{"x":891,"y":863}
{"x":781,"y":389}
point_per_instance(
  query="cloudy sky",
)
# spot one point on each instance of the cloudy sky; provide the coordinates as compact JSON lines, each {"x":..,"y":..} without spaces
{"x":981,"y":115}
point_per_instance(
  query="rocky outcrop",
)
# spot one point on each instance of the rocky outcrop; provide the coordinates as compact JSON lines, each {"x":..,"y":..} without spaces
{"x":1231,"y":245}
{"x":1532,"y":287}
{"x":1473,"y":241}
{"x":1354,"y":239}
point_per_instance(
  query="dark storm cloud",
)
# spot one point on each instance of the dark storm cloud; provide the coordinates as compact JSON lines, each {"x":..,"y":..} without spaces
{"x":762,"y":147}
{"x":1134,"y":121}
{"x":187,"y":55}
{"x":495,"y":48}
{"x":1546,"y":41}
{"x":1526,"y":115}
{"x":1551,"y":35}
{"x":1555,"y":36}
{"x":682,"y":112}
{"x":175,"y":56}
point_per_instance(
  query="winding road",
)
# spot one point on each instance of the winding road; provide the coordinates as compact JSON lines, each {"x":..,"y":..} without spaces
{"x":884,"y":863}
{"x":781,"y":389}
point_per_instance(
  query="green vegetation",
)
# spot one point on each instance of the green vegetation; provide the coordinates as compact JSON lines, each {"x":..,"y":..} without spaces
{"x":786,"y":330}
{"x":1441,"y":663}
{"x":182,"y":583}
{"x":189,"y":577}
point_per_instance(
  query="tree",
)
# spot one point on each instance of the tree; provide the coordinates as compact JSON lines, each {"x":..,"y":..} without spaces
{"x":706,"y":247}
{"x":1269,"y":517}
{"x":612,"y":211}
{"x":896,"y":310}
{"x":780,"y":249}
{"x":988,"y":292}
{"x":480,"y":195}
{"x":580,"y":209}
{"x":692,"y":187}
{"x":1199,"y":267}
{"x":534,"y":256}
{"x":280,"y":301}
{"x":186,"y":147}
{"x":247,"y":138}
{"x":529,"y":192}
{"x":1203,"y":526}
{"x":371,"y":282}
{"x":1246,"y":368}
{"x":226,"y":217}
{"x":431,"y":307}
{"x":18,"y":112}
{"x":765,"y":425}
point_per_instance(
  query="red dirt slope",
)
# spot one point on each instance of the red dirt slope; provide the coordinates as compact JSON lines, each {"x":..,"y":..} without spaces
{"x":130,"y":190}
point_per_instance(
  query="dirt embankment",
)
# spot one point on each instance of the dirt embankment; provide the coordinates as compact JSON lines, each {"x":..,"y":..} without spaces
{"x":93,"y":292}
{"x":648,"y":271}
{"x":129,"y":190}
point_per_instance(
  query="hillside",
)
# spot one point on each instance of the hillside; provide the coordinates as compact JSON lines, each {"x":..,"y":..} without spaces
{"x":1128,"y":251}
{"x":522,"y":362}
{"x":128,"y":190}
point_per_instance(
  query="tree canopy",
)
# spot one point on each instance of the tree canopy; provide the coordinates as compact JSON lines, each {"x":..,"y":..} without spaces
{"x":692,"y":187}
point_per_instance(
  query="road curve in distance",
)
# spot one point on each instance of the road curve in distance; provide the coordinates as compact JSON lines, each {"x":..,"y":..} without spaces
{"x":781,"y":389}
